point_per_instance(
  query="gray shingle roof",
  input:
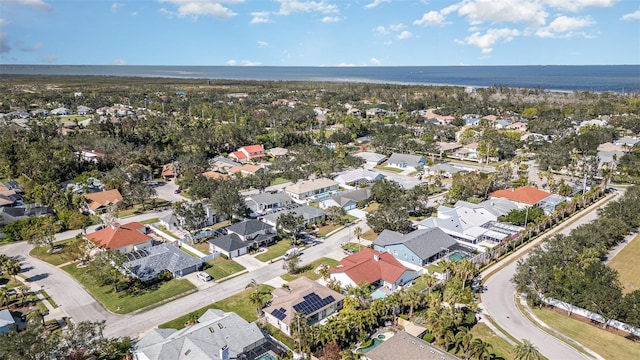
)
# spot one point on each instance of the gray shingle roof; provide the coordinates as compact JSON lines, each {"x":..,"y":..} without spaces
{"x":425,"y":242}
{"x":410,"y":160}
{"x":249,"y":227}
{"x":307,"y":212}
{"x":203,"y":341}
{"x":159,"y":258}
{"x":229,"y":242}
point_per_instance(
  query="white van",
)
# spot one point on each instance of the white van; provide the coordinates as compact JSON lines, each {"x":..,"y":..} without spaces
{"x":291,"y":252}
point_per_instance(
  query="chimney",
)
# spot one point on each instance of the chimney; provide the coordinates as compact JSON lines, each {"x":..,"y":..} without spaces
{"x":376,"y":257}
{"x":115,"y":225}
{"x":224,"y":353}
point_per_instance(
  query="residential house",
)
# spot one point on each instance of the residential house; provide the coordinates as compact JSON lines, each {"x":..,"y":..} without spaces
{"x":518,"y":126}
{"x":265,"y":202}
{"x":348,"y":200}
{"x":246,"y":170}
{"x":222,"y":164}
{"x":215,"y":175}
{"x":10,"y":198}
{"x":278,"y":152}
{"x":168,"y":171}
{"x":247,"y":153}
{"x":7,"y":323}
{"x":523,"y":197}
{"x":468,"y":151}
{"x":122,"y":238}
{"x":498,"y":207}
{"x":241,"y":237}
{"x":376,"y":268}
{"x":218,"y":335}
{"x":419,"y":247}
{"x":470,"y":225}
{"x":406,"y":161}
{"x":60,"y":111}
{"x":147,"y":263}
{"x":84,"y":110}
{"x":404,"y":346}
{"x":310,"y":214}
{"x":446,"y":170}
{"x":99,"y":202}
{"x":627,"y":141}
{"x":9,"y":214}
{"x":502,"y":124}
{"x":358,"y":176}
{"x":314,"y":301}
{"x":317,"y":188}
{"x":447,"y":147}
{"x":90,"y":156}
{"x":371,"y":158}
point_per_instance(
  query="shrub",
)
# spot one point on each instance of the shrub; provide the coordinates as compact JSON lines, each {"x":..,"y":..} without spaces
{"x":367,"y":343}
{"x":224,"y":256}
{"x":428,"y":337}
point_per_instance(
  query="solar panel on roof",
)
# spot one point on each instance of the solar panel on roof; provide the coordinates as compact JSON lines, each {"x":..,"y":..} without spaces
{"x":312,"y":303}
{"x":279,"y":314}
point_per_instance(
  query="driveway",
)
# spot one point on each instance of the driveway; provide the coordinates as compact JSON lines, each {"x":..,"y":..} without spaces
{"x":166,"y":191}
{"x":498,"y":299}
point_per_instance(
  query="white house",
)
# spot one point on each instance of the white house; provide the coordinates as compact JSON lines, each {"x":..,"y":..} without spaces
{"x":316,"y":188}
{"x":406,"y":161}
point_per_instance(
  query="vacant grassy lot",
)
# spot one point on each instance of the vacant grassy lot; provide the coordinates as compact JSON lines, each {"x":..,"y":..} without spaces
{"x":58,"y":258}
{"x":608,"y":345}
{"x":627,"y":264}
{"x":501,"y":348}
{"x":221,"y":268}
{"x":276,"y":250}
{"x":309,"y":270}
{"x":238,"y":303}
{"x":123,"y":303}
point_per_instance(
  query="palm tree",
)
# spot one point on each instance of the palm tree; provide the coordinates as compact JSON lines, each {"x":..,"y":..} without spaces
{"x":256,"y":298}
{"x":430,"y":281}
{"x":527,"y":351}
{"x":35,"y":316}
{"x":464,"y":339}
{"x":357,"y":231}
{"x":480,"y":349}
{"x":4,"y":296}
{"x":24,"y":291}
{"x":11,"y":267}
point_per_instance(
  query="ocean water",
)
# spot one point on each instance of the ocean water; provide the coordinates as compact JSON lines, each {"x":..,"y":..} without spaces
{"x":617,"y":78}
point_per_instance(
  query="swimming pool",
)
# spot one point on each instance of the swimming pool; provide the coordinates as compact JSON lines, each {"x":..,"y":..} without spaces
{"x":457,"y":256}
{"x":266,"y":356}
{"x":380,"y":293}
{"x":375,"y":344}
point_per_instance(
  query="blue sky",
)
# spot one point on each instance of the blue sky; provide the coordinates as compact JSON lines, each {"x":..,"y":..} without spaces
{"x":320,"y":32}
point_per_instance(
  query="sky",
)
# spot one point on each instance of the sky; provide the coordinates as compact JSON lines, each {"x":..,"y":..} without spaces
{"x":320,"y":32}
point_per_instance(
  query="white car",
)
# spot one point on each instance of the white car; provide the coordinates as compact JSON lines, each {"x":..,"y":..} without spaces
{"x":204,"y":276}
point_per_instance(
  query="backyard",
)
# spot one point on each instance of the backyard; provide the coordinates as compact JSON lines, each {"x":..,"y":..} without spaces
{"x":123,"y":302}
{"x":628,"y":266}
{"x":310,"y":269}
{"x":221,"y":268}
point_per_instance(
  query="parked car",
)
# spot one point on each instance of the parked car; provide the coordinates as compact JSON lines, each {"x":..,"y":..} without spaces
{"x":177,"y":191}
{"x":291,"y":252}
{"x":204,"y":276}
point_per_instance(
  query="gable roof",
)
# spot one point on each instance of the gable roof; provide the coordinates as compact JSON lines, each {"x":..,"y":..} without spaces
{"x":252,"y":148}
{"x":525,"y":194}
{"x":307,"y":212}
{"x":411,"y":160}
{"x":214,"y":175}
{"x":229,"y":242}
{"x":359,"y":175}
{"x":358,"y":195}
{"x":425,"y":243}
{"x":155,"y":259}
{"x":6,"y":318}
{"x":413,"y":348}
{"x":248,"y":227}
{"x":117,"y":236}
{"x":167,"y":170}
{"x":269,"y":198}
{"x":305,"y":186}
{"x":203,"y":341}
{"x":369,"y":266}
{"x":103,"y":198}
{"x":498,"y":206}
{"x":286,"y":303}
{"x":370,"y":156}
{"x":238,"y":155}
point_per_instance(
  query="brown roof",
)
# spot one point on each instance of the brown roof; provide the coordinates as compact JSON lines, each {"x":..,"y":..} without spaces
{"x":298,"y":289}
{"x":167,"y":170}
{"x":403,"y":346}
{"x":525,"y":194}
{"x":117,"y":236}
{"x":103,"y":198}
{"x":245,"y":169}
{"x":214,"y":175}
{"x":363,"y":267}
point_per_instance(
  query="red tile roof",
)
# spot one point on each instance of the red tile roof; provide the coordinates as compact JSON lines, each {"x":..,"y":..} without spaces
{"x":363,"y":267}
{"x":239,"y":155}
{"x":117,"y":236}
{"x":253,"y":148}
{"x":167,"y":170}
{"x":526,"y":194}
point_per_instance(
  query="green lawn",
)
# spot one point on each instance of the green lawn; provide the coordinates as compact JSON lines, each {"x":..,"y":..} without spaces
{"x":203,"y":247}
{"x":122,"y":303}
{"x":189,"y":252}
{"x":237,"y":303}
{"x":58,"y":258}
{"x":150,"y":221}
{"x":221,"y":268}
{"x":324,"y":230}
{"x":309,"y":270}
{"x":372,"y":206}
{"x":384,"y":166}
{"x":501,"y":348}
{"x":9,"y":282}
{"x":369,"y":235}
{"x":278,"y":181}
{"x":434,"y":268}
{"x":355,"y":247}
{"x":275,"y":250}
{"x":628,"y":266}
{"x":604,"y":343}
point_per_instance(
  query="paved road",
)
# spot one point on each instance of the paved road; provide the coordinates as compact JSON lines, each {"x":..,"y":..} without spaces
{"x":498,"y":302}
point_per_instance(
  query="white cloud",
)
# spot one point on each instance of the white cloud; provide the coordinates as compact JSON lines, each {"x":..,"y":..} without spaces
{"x":577,"y":5}
{"x":4,"y":43}
{"x":498,"y":11}
{"x":375,"y":3}
{"x":260,"y":17}
{"x":3,"y":22}
{"x":250,"y":63}
{"x":404,"y":35}
{"x":631,"y":16}
{"x":263,"y":44}
{"x":382,"y":30}
{"x":396,"y":27}
{"x":374,"y":61}
{"x":116,"y":6}
{"x":232,"y":62}
{"x":49,"y":59}
{"x":487,"y":40}
{"x":432,"y":18}
{"x":294,"y":6}
{"x":331,"y":19}
{"x":346,"y":65}
{"x":38,"y":4}
{"x":564,"y":26}
{"x":118,"y":62}
{"x":28,"y":48}
{"x":202,"y":8}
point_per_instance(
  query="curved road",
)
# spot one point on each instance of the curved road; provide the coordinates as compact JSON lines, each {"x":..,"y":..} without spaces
{"x":499,"y":302}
